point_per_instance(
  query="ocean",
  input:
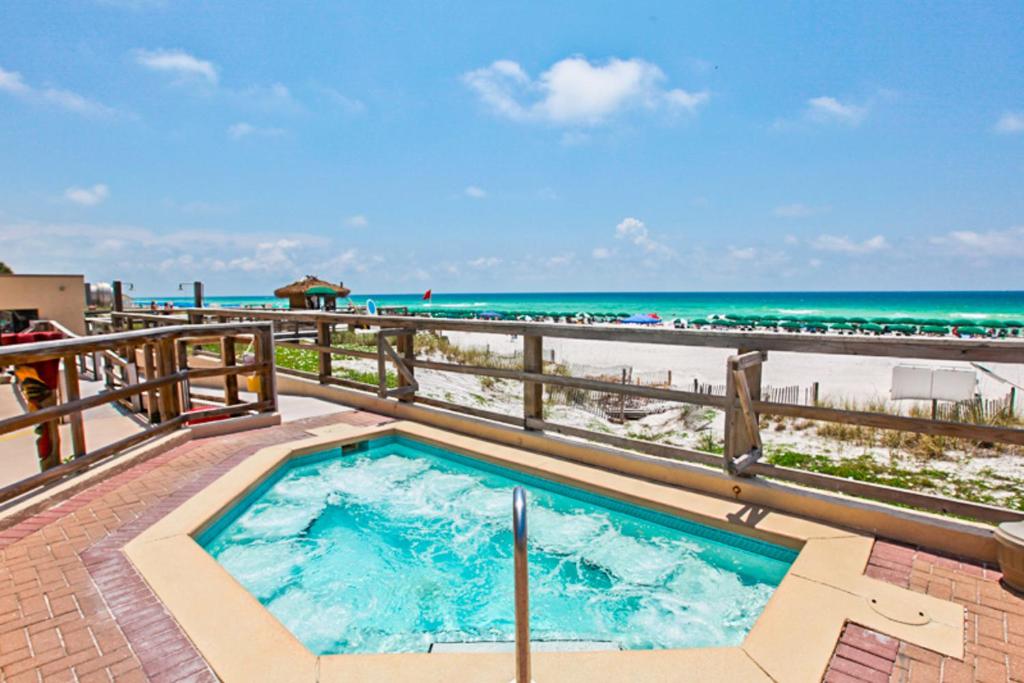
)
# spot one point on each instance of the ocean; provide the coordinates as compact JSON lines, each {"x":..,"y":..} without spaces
{"x":685,"y":305}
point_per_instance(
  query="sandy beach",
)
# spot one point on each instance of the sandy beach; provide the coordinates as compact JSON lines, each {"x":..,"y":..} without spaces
{"x":855,"y":378}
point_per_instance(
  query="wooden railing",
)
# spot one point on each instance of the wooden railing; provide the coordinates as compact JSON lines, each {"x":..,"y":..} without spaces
{"x":742,"y":402}
{"x":165,"y":380}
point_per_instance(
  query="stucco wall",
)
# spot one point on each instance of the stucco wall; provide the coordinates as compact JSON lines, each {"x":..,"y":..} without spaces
{"x":56,"y":297}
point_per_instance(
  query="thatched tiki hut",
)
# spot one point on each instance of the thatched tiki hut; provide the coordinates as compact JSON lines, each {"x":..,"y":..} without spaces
{"x":312,"y":292}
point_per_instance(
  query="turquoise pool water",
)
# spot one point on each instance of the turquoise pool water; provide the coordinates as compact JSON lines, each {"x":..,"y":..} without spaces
{"x":395,"y":545}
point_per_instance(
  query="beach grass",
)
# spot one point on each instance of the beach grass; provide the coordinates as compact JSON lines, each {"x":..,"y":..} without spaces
{"x":987,"y":487}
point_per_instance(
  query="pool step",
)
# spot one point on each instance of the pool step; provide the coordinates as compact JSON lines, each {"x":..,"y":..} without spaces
{"x":535,"y":646}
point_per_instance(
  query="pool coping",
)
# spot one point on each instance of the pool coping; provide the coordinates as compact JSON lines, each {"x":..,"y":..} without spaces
{"x":793,"y":639}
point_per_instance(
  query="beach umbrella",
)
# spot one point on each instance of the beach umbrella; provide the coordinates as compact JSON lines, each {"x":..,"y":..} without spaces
{"x":834,"y":319}
{"x":1013,"y":323}
{"x":991,"y":322}
{"x":841,"y":326}
{"x":935,"y":329}
{"x":880,"y":321}
{"x":766,"y":323}
{"x":962,"y":321}
{"x":903,"y":329}
{"x":816,"y":326}
{"x":973,"y":330}
{"x":871,"y":327}
{"x":699,"y":321}
{"x":791,"y":325}
{"x":771,"y":318}
{"x":641,"y":320}
{"x":858,"y":320}
{"x":904,"y":320}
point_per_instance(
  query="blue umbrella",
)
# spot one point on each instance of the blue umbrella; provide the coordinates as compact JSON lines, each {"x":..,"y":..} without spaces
{"x":641,"y":320}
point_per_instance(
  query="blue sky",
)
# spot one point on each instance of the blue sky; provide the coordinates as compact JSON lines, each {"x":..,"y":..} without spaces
{"x":515,"y":146}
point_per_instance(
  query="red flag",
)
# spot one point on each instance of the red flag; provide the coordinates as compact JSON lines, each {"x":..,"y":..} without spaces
{"x":426,"y":295}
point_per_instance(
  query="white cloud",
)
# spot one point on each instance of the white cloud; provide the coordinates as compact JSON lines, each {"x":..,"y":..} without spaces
{"x":347,"y":104}
{"x":796,"y":210}
{"x":270,"y":257}
{"x":87,"y":196}
{"x":742,"y":254}
{"x":830,"y":110}
{"x":475,"y":192}
{"x":12,"y":82}
{"x":791,"y":239}
{"x":601,"y":253}
{"x":106,"y":251}
{"x":634,"y":230}
{"x":575,"y":91}
{"x":274,"y":98}
{"x":484,"y":262}
{"x":179,"y":63}
{"x":1008,"y":242}
{"x":237,"y":131}
{"x":1010,"y":122}
{"x":814,"y":263}
{"x":845,"y":245}
{"x":357,"y":221}
{"x":559,"y":261}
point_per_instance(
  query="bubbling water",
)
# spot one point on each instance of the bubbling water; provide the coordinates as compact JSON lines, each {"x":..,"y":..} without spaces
{"x":400,"y":545}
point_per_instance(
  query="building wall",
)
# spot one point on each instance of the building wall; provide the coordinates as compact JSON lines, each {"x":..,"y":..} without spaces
{"x":57,"y":297}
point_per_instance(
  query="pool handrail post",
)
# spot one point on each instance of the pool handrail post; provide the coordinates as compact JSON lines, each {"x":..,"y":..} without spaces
{"x":522,"y":586}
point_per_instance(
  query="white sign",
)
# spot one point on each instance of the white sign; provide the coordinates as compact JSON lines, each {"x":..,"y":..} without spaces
{"x":942,"y":384}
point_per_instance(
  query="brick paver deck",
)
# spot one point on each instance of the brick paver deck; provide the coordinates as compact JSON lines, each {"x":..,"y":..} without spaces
{"x":994,"y":628}
{"x":72,"y":608}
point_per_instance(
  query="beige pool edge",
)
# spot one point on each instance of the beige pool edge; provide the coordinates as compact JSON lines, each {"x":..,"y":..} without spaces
{"x":793,"y":639}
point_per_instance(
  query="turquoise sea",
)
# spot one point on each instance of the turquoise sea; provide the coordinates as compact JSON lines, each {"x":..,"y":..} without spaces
{"x":686,"y":305}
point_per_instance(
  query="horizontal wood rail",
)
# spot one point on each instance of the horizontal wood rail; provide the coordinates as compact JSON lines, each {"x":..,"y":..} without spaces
{"x":992,"y":350}
{"x":742,"y":402}
{"x":163,"y":378}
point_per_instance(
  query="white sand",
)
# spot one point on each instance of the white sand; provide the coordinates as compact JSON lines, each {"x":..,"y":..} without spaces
{"x":858,"y":378}
{"x":853,"y":378}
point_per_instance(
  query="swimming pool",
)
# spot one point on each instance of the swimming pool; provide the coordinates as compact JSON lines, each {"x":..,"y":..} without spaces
{"x":393,"y":545}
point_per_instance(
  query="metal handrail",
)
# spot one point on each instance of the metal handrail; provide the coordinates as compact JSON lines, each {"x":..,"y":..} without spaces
{"x":522,"y":579}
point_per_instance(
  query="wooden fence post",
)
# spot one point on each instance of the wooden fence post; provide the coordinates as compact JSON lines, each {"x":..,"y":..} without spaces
{"x":149,"y":366}
{"x":533,"y":392}
{"x":323,"y":338}
{"x":73,"y":394}
{"x":739,"y":423}
{"x":622,"y":400}
{"x":407,"y":350}
{"x":168,"y":392}
{"x":227,"y":360}
{"x":265,"y":354}
{"x":185,"y":395}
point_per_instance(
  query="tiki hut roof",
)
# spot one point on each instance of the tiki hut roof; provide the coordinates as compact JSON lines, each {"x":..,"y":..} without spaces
{"x":300,"y":287}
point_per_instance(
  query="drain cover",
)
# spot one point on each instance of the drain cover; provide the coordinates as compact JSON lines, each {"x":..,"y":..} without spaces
{"x":898,"y":611}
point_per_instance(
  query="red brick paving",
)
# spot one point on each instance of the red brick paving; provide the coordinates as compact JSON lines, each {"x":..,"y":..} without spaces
{"x":72,"y":608}
{"x":994,"y":626}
